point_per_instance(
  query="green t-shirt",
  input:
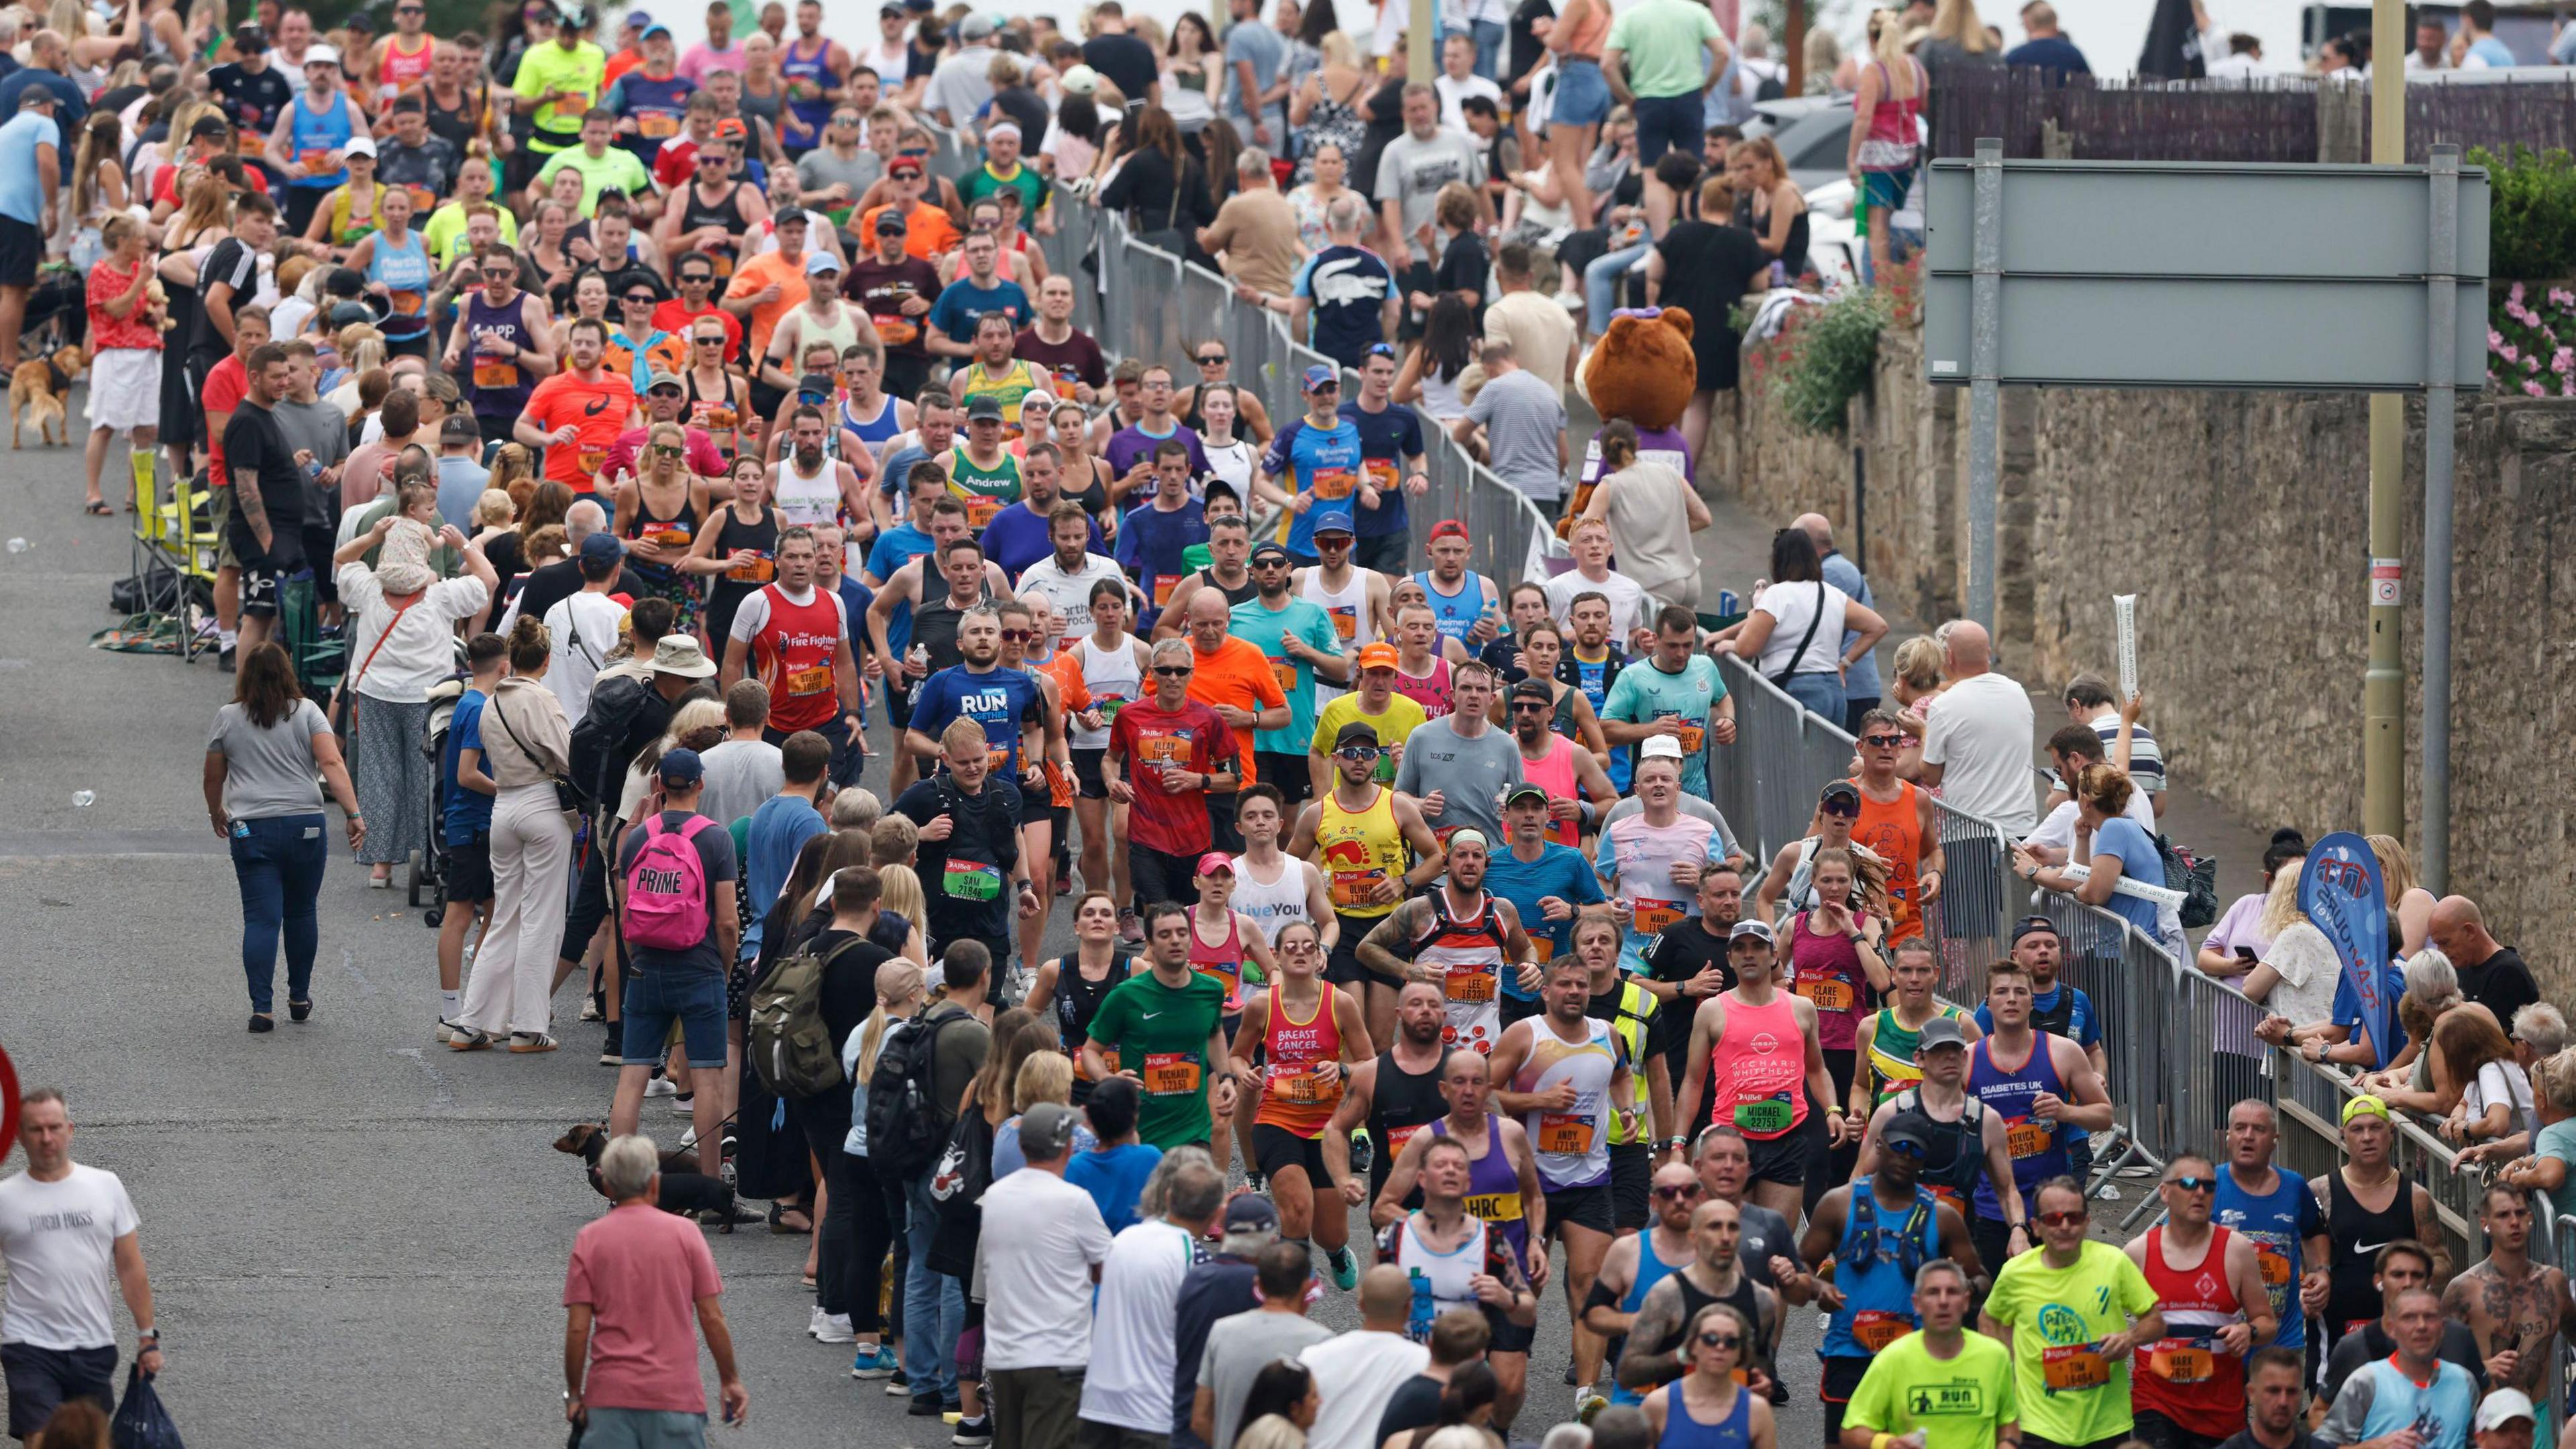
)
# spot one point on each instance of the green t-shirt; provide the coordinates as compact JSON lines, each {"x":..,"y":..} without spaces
{"x":445,"y":233}
{"x":1664,"y":43}
{"x":2070,"y":1393}
{"x":1161,"y":1034}
{"x":616,"y":167}
{"x":983,"y":181}
{"x":550,"y":67}
{"x":1957,"y":1402}
{"x":1256,"y":623}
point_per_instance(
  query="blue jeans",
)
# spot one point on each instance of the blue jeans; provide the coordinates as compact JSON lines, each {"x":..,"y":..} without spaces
{"x":278,"y":863}
{"x":1491,"y":38}
{"x":1667,"y":122}
{"x":1822,"y":694}
{"x":1604,"y":278}
{"x":934,"y":1304}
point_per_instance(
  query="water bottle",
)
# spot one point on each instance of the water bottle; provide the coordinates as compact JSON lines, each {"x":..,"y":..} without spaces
{"x":313,"y":470}
{"x":1728,"y":604}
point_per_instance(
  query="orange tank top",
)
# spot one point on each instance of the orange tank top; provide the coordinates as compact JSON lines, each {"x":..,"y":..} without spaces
{"x":400,"y":69}
{"x":1589,"y":32}
{"x":1894,"y":832}
{"x":1292,"y":1097}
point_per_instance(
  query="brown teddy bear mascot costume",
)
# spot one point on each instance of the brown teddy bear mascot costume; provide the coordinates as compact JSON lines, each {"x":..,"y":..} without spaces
{"x":1641,"y":370}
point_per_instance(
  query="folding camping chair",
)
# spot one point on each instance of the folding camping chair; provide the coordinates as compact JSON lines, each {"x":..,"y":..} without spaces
{"x":173,"y":556}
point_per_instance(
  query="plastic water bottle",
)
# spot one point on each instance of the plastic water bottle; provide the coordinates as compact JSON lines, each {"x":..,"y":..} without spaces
{"x":18,"y":545}
{"x":83,"y":799}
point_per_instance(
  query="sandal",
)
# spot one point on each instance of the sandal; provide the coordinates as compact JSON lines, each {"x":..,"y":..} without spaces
{"x":779,"y":1220}
{"x":97,"y":508}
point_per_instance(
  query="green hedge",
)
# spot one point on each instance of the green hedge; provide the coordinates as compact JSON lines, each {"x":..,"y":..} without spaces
{"x":2532,"y":225}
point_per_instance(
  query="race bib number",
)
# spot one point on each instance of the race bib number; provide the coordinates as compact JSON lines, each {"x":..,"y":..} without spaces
{"x":496,"y":375}
{"x":1169,"y":751}
{"x":1294,"y":1083}
{"x":1655,"y":917}
{"x":1875,"y":1329}
{"x":1495,"y":1207}
{"x":589,"y":459}
{"x":2026,"y":1139}
{"x":1380,"y":473}
{"x":1829,"y":993}
{"x":423,"y":200}
{"x":1566,"y":1133}
{"x":2177,"y":1362}
{"x":1354,"y":887}
{"x":1332,"y":485}
{"x":407,"y":304}
{"x":247,"y":142}
{"x":1163,"y":586}
{"x":1346,"y":622}
{"x":1469,"y":983}
{"x":980,"y":511}
{"x":2275,"y":1267}
{"x":311,"y":160}
{"x":894,"y":330}
{"x":1396,"y":1137}
{"x":1694,"y":735}
{"x":806,"y":683}
{"x":971,"y":880}
{"x":2073,"y":1368}
{"x":657,"y":125}
{"x":1542,"y":949}
{"x":1170,"y":1074}
{"x":1767,"y":1117}
{"x":750,"y":567}
{"x":1285,"y":671}
{"x":669,"y":536}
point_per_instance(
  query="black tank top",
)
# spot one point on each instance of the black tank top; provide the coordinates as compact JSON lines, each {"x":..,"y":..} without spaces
{"x":459,"y":126}
{"x":1693,"y":1300}
{"x":934,"y":629}
{"x":1244,"y":595}
{"x":725,"y":211}
{"x":2354,"y":1236}
{"x":1400,"y":1103}
{"x":647,"y":521}
{"x":1077,"y":1000}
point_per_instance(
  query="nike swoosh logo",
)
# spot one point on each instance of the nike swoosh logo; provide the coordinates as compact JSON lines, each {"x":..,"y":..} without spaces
{"x":1150,"y":1015}
{"x":2370,"y":1247}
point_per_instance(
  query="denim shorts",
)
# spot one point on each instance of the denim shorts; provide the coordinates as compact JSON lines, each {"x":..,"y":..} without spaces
{"x":644,"y":1429}
{"x":655,"y":999}
{"x":1582,"y":96}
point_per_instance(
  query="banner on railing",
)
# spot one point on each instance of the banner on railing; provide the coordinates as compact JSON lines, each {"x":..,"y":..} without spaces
{"x":2340,"y":891}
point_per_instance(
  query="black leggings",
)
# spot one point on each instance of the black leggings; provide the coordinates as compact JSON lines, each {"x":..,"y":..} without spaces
{"x":825,"y":1121}
{"x":1829,"y":1168}
{"x":879,"y":1203}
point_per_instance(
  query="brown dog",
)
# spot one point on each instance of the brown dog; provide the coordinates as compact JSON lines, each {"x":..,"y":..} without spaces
{"x":39,"y":387}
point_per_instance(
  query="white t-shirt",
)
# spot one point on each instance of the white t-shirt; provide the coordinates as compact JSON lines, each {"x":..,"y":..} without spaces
{"x":1069,"y":594}
{"x":1981,"y":739}
{"x":1356,"y":1374}
{"x":1453,"y":92}
{"x":59,"y":1241}
{"x":1130,"y":1383}
{"x":2308,"y":968}
{"x":1037,"y":1276}
{"x":1629,"y":606}
{"x":1792,"y":607}
{"x":584,"y":626}
{"x":740,"y":775}
{"x":2502,"y":1080}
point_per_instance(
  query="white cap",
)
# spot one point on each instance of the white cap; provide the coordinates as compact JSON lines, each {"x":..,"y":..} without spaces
{"x":2503,"y":1407}
{"x":1079,"y":80}
{"x":359,"y":146}
{"x":1660,"y":747}
{"x":315,"y":54}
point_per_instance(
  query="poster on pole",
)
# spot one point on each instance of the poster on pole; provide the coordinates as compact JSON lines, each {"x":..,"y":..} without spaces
{"x":2340,"y":893}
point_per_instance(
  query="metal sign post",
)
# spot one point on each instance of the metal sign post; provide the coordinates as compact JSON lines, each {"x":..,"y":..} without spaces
{"x":2441,"y":424}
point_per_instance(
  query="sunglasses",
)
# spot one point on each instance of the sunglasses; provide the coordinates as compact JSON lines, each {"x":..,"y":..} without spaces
{"x":668,"y":450}
{"x":1677,"y":1193}
{"x":1321,"y":388}
{"x":1172,"y":671}
{"x":2063,"y":1219}
{"x":665,"y":390}
{"x":498,"y":274}
{"x":1358,"y":752}
{"x":1018,"y":636}
{"x":1883,"y":742}
{"x":1714,"y":1339}
{"x":1847,"y":812}
{"x":1219,"y":360}
{"x":1270,"y":563}
{"x":697,"y":279}
{"x":716,"y":341}
{"x":1529,"y":704}
{"x":1907,"y":1148}
{"x":641,"y":299}
{"x":2193,"y":1184}
{"x":1322,"y":543}
{"x":1381,"y":349}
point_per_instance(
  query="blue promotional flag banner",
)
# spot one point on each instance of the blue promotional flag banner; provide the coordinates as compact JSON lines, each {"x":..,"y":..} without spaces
{"x":2340,"y":892}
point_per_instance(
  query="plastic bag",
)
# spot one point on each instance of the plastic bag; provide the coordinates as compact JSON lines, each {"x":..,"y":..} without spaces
{"x":141,"y":1422}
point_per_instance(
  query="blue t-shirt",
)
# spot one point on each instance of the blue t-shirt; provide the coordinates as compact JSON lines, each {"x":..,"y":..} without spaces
{"x":1560,"y":870}
{"x":893,"y":549}
{"x":468,"y":812}
{"x":1349,"y":287}
{"x":999,"y":699}
{"x":961,"y":302}
{"x":892,"y":479}
{"x":1326,"y":465}
{"x":1387,"y":439}
{"x":1259,"y":625}
{"x":778,"y":829}
{"x":22,"y":193}
{"x":2347,"y":1010}
{"x":1136,"y":443}
{"x":1017,"y":538}
{"x":1861,"y":680}
{"x":1150,"y":542}
{"x":1643,"y":693}
{"x":2139,"y":861}
{"x":71,"y":109}
{"x":856,"y":599}
{"x":2278,"y":1224}
{"x":1115,"y":1178}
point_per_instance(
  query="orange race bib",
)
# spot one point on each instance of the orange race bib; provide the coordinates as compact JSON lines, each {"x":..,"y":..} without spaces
{"x":1396,"y":1137}
{"x":1875,"y":1329}
{"x":1163,"y":586}
{"x":249,"y":143}
{"x":1170,"y":1074}
{"x":980,"y":511}
{"x":805,"y":683}
{"x":1297,"y":1084}
{"x":1346,"y":622}
{"x":2073,"y":1368}
{"x":1654,"y":916}
{"x":1542,"y":949}
{"x":423,"y":200}
{"x":2026,"y":1138}
{"x":1380,"y":473}
{"x":1332,"y":485}
{"x":311,"y":160}
{"x":589,"y":459}
{"x":1566,"y":1133}
{"x":657,"y":125}
{"x":2178,"y":1362}
{"x":2275,"y":1267}
{"x":1469,"y":983}
{"x":753,"y":568}
{"x":1829,"y":993}
{"x":670,"y":536}
{"x":1285,"y":671}
{"x":1166,"y":750}
{"x":496,"y":374}
{"x":896,"y":329}
{"x":1694,"y":736}
{"x":1353,"y":887}
{"x":408,"y":304}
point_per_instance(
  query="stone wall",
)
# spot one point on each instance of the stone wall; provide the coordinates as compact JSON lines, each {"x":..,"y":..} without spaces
{"x":2240,"y":521}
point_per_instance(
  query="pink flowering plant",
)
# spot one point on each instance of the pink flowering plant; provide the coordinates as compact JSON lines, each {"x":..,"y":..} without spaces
{"x":2531,"y":301}
{"x":2531,"y":340}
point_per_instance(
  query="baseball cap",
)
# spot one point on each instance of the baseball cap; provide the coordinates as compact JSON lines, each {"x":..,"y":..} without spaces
{"x":984,"y":407}
{"x":2503,"y":1407}
{"x":1534,"y":688}
{"x":1658,"y":747}
{"x":1268,"y":550}
{"x":602,"y":547}
{"x":890,"y":222}
{"x":1214,"y":861}
{"x":211,"y":124}
{"x":2034,"y":925}
{"x":790,"y":216}
{"x":1251,"y":1213}
{"x":1380,"y":655}
{"x":730,"y":129}
{"x":1080,"y":80}
{"x":1839,"y":791}
{"x":658,"y":378}
{"x":1357,"y":732}
{"x":1332,"y":523}
{"x":321,"y":55}
{"x":1907,"y":1128}
{"x":1754,"y":929}
{"x":1448,"y":528}
{"x":821,"y":262}
{"x":1940,"y":1031}
{"x":1046,"y":1130}
{"x":250,"y":35}
{"x":360,"y":146}
{"x":890,"y":7}
{"x":898,"y":167}
{"x":342,"y":314}
{"x":681,"y":766}
{"x":1523,"y":791}
{"x":815,"y":384}
{"x":2364,"y":1105}
{"x":1317,"y":376}
{"x":975,"y":27}
{"x":639,"y":19}
{"x":653,"y":30}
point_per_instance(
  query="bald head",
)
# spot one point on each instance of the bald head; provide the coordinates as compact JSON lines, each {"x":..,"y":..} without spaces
{"x":47,"y":49}
{"x":1386,"y":1298}
{"x":2459,"y":928}
{"x":1967,"y":648}
{"x":1818,"y":529}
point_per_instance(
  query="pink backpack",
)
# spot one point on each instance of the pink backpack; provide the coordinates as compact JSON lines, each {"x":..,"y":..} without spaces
{"x":666,"y":888}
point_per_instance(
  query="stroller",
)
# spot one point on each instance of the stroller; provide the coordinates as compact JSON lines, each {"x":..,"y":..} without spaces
{"x":428,"y":871}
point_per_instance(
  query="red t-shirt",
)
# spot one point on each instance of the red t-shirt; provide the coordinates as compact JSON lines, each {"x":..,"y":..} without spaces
{"x":597,"y":409}
{"x":675,"y":316}
{"x":106,"y":284}
{"x":165,"y":183}
{"x":642,"y":1271}
{"x":227,"y":383}
{"x":1192,"y":738}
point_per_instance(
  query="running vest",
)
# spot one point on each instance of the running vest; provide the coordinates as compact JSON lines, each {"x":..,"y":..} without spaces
{"x":1555,"y":774}
{"x":1401,"y":1103}
{"x":1757,"y":1071}
{"x":1874,"y":1267}
{"x":1016,"y":382}
{"x":816,"y":68}
{"x":1741,"y":1296}
{"x":725,"y":212}
{"x":1494,"y":1185}
{"x":984,"y":491}
{"x":812,"y":501}
{"x":1573,"y":1145}
{"x":1454,"y":614}
{"x":1891,"y":1053}
{"x":399,"y":69}
{"x":1685,"y":1430}
{"x":1827,"y":971}
{"x":500,"y":385}
{"x":1894,"y":832}
{"x":677,"y":529}
{"x":1431,"y":691}
{"x":1955,"y":1168}
{"x":404,"y":270}
{"x":1441,"y":1281}
{"x":794,"y":652}
{"x":1077,"y":1000}
{"x":1113,"y":679}
{"x":1273,"y":904}
{"x":2184,"y":1375}
{"x":1467,"y":951}
{"x":1651,"y":1270}
{"x":1630,"y":1016}
{"x":874,"y":431}
{"x":2354,"y":1236}
{"x":714,"y":415}
{"x":1357,"y":849}
{"x":314,"y":135}
{"x":1221,"y":963}
{"x":1353,"y":622}
{"x":2272,"y":1223}
{"x":1292,"y":1098}
{"x":2038,"y":1148}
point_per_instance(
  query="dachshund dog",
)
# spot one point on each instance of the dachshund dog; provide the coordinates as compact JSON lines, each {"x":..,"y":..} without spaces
{"x":39,"y":387}
{"x":685,"y":1191}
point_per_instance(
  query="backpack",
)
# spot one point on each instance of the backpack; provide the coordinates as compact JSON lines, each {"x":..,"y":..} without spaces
{"x":904,"y":1116}
{"x":785,"y":1037}
{"x":2195,"y":877}
{"x":666,"y":888}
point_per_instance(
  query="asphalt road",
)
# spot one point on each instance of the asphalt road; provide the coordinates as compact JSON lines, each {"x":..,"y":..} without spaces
{"x":352,"y":1231}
